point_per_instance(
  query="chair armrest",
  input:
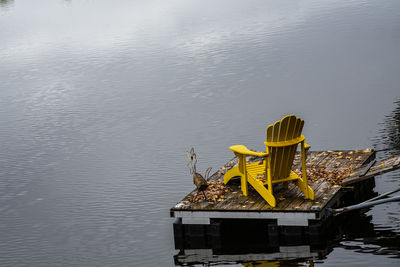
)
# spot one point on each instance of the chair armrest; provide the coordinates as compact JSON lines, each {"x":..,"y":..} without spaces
{"x":245,"y":151}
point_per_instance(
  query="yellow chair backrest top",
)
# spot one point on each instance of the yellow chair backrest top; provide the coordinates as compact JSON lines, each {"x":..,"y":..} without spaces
{"x":278,"y":144}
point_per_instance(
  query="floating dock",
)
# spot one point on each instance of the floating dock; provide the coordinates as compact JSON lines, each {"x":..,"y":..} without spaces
{"x":294,"y":222}
{"x":292,"y":209}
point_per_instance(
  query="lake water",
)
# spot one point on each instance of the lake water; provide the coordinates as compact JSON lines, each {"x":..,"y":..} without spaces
{"x":100,"y":100}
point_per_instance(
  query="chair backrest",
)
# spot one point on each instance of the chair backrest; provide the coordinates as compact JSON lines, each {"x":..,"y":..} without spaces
{"x":288,"y":128}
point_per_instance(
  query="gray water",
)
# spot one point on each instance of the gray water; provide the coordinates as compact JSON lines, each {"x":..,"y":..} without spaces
{"x":99,"y":100}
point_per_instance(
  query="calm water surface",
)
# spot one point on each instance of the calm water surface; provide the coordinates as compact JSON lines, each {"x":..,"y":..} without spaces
{"x":99,"y":100}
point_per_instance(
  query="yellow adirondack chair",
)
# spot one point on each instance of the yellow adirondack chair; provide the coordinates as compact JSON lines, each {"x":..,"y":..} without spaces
{"x":283,"y":137}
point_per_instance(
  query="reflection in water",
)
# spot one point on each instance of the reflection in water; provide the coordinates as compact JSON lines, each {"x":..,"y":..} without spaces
{"x":352,"y":231}
{"x":277,"y":263}
{"x":364,"y":237}
{"x":389,"y":134}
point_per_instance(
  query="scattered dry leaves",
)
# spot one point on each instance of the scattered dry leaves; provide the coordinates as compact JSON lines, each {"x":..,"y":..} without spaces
{"x":335,"y":176}
{"x":215,"y":192}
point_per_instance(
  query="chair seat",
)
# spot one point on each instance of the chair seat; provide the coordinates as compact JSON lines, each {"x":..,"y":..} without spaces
{"x":257,"y":171}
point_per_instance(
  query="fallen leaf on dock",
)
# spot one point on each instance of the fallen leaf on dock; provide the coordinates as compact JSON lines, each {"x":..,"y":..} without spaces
{"x":321,"y":174}
{"x":215,"y":192}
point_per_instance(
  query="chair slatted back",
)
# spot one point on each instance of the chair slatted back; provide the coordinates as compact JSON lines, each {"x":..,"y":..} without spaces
{"x":288,"y":128}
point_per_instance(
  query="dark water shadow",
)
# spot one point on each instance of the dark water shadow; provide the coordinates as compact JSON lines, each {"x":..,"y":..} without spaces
{"x":362,"y":236}
{"x":250,"y":247}
{"x":388,"y":139}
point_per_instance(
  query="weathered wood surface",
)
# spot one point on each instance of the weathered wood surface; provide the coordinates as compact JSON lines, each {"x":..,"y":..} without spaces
{"x":379,"y":167}
{"x":288,"y":199}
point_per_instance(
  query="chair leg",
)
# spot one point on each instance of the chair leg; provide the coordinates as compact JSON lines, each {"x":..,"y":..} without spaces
{"x":302,"y":183}
{"x":305,"y":188}
{"x":243,"y":185}
{"x":234,"y":172}
{"x":266,"y":193}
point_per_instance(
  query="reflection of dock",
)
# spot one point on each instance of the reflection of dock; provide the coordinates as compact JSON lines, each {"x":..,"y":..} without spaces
{"x":294,"y":219}
{"x":285,"y":252}
{"x":241,"y":243}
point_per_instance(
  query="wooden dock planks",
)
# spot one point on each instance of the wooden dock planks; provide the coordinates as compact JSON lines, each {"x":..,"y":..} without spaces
{"x":289,"y":200}
{"x":380,"y":167}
